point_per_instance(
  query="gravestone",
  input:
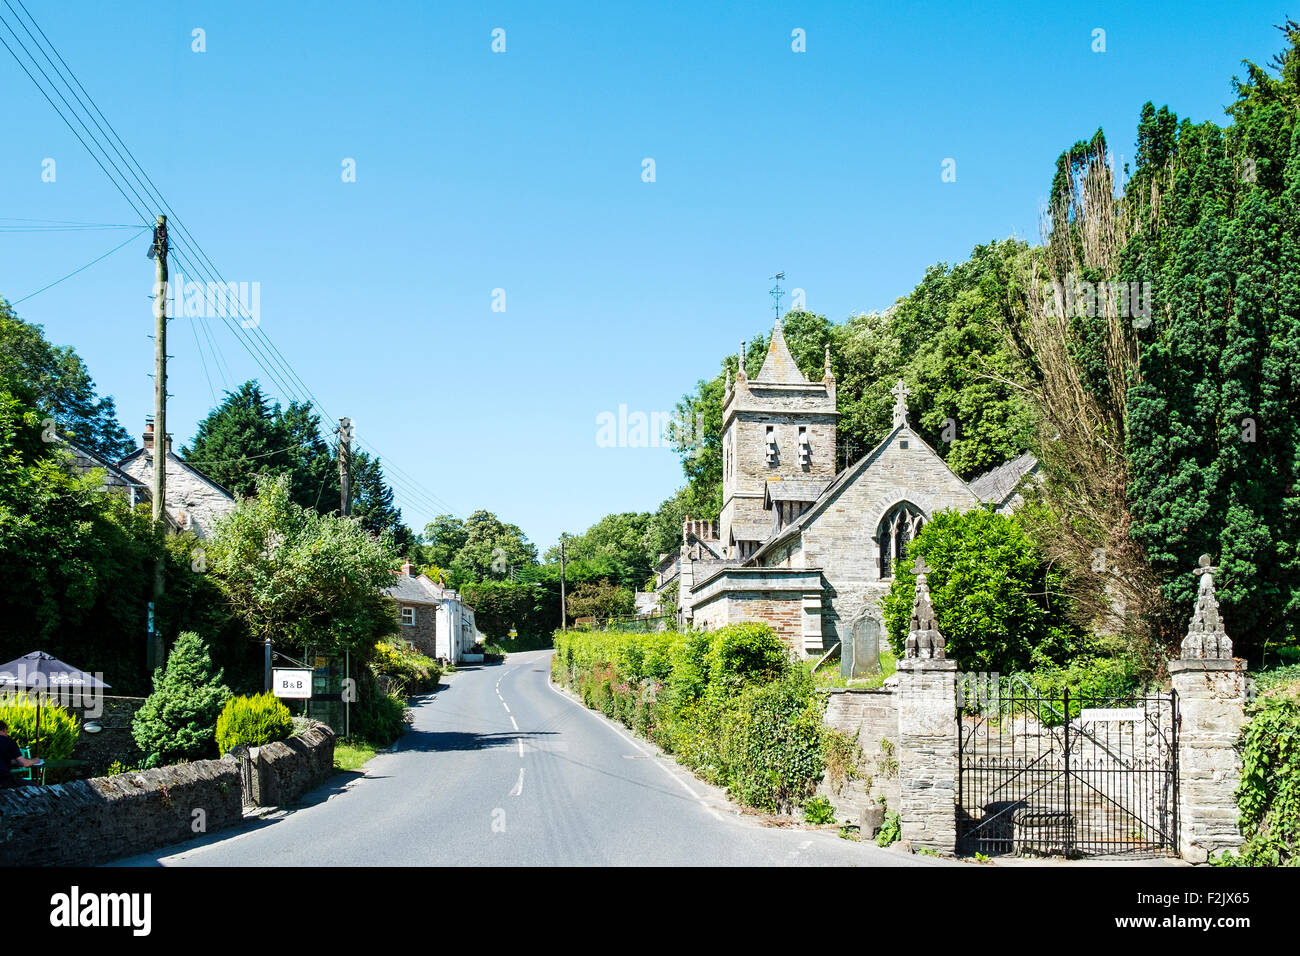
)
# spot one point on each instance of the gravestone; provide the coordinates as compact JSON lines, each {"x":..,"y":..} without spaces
{"x":860,"y":653}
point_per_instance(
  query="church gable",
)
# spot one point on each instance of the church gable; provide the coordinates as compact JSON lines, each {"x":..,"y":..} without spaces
{"x":903,"y":480}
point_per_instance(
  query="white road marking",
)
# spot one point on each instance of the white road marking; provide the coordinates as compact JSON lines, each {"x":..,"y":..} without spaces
{"x":635,"y":743}
{"x":505,"y":705}
{"x":521,"y":746}
{"x":519,"y":786}
{"x":515,"y":722}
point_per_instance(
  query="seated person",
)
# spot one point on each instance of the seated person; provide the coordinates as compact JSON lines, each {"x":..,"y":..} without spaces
{"x":11,"y":758}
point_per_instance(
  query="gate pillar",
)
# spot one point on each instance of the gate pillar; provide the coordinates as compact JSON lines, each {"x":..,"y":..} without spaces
{"x":1211,"y":689}
{"x":927,"y":730}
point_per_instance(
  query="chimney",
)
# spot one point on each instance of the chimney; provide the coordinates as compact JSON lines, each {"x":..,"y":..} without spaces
{"x":407,"y":569}
{"x":148,"y":434}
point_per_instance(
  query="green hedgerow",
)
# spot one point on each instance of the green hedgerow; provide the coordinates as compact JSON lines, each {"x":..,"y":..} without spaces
{"x":1268,"y":794}
{"x":252,"y":722}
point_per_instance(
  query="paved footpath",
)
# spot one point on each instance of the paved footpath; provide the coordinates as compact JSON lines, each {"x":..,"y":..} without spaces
{"x":500,"y":768}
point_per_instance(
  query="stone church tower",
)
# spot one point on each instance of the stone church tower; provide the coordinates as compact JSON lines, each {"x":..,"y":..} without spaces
{"x":778,"y":447}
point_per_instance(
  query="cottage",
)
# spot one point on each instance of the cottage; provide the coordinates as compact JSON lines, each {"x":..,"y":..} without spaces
{"x":193,"y":500}
{"x":434,"y":620}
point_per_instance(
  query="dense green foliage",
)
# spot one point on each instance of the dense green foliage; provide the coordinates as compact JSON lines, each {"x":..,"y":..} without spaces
{"x":58,"y":728}
{"x":178,"y":720}
{"x":994,"y":600}
{"x":1214,"y":421}
{"x":1269,"y":792}
{"x":617,"y":543}
{"x":413,"y":672}
{"x":482,"y":547}
{"x":601,"y":601}
{"x":60,"y":385}
{"x":252,"y":721}
{"x":300,"y":577}
{"x":728,"y":703}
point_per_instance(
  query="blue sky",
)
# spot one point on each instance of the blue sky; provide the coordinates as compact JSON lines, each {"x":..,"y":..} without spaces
{"x":522,"y":171}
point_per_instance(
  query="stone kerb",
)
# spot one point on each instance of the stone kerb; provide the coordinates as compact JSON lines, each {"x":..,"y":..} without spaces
{"x":1211,"y":688}
{"x":927,"y":730}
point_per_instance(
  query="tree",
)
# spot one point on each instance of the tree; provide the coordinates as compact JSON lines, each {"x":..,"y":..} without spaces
{"x":995,"y":603}
{"x":492,"y":548}
{"x":373,"y":502}
{"x":60,"y":385}
{"x":1214,"y":418}
{"x":75,"y":562}
{"x":619,"y":538}
{"x":600,"y":600}
{"x":247,"y":436}
{"x":441,"y":541}
{"x":240,"y":440}
{"x":303,"y":578}
{"x":178,"y":720}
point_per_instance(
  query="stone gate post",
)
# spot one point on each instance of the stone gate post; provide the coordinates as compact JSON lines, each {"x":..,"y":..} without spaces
{"x":1211,"y":689}
{"x":927,"y":730}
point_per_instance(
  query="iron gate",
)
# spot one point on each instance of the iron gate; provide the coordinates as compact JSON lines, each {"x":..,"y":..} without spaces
{"x":1030,"y":780}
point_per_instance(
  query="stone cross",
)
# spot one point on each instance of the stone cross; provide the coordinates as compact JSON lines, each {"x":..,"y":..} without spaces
{"x":900,"y":394}
{"x":1206,"y":639}
{"x":923,"y":637}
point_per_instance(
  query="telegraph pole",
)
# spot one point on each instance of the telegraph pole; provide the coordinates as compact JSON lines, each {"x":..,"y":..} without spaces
{"x":158,"y":252}
{"x":345,"y":456}
{"x":564,"y":619}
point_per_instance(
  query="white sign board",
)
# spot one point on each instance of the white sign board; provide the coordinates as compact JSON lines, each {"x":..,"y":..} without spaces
{"x":1099,"y":714}
{"x":291,"y":682}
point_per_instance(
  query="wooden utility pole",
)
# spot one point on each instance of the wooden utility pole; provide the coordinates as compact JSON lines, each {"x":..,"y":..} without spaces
{"x":158,"y":252}
{"x":564,"y":612}
{"x":345,"y":455}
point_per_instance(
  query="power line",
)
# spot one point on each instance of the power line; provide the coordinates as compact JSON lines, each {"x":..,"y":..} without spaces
{"x":82,"y":269}
{"x":258,"y":344}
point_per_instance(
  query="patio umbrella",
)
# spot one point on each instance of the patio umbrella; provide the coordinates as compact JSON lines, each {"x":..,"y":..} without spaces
{"x":37,"y":670}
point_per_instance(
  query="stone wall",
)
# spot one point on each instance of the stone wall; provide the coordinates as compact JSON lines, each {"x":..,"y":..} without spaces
{"x":424,"y":632}
{"x":871,"y":715}
{"x":283,"y":771}
{"x":86,"y":822}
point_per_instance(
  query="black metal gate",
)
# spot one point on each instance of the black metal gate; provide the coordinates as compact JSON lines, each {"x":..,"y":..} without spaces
{"x":1030,"y":780}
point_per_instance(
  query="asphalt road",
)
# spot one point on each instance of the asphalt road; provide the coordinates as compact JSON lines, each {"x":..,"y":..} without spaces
{"x":500,"y":768}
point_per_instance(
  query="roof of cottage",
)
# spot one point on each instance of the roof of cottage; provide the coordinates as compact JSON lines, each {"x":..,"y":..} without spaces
{"x":417,"y":590}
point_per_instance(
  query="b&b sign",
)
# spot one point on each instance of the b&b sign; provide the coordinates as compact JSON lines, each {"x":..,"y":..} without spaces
{"x":291,"y":682}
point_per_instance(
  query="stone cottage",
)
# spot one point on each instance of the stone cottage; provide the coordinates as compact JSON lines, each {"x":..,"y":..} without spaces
{"x":797,"y":545}
{"x":434,"y":619}
{"x":194,"y":501}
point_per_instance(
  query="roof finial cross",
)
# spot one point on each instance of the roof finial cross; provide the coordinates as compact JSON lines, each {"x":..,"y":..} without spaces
{"x":900,"y":394}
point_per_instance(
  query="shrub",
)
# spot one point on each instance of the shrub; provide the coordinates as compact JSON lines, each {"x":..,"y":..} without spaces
{"x":416,"y":673}
{"x":59,"y":729}
{"x":178,"y":720}
{"x":726,"y":703}
{"x":989,"y":586}
{"x":252,"y":721}
{"x":1268,"y":794}
{"x":891,"y":831}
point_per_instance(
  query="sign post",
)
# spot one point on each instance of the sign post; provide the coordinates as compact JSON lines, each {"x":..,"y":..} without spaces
{"x":292,"y":682}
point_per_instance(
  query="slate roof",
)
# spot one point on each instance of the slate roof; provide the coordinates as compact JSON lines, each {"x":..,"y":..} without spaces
{"x":751,"y":530}
{"x":418,"y":590}
{"x":998,"y":484}
{"x":779,"y":366}
{"x":797,"y":489}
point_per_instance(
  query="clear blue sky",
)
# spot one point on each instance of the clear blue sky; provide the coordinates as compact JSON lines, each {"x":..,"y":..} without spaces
{"x":522,"y":171}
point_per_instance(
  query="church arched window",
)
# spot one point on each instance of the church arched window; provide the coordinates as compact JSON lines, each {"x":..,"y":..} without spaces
{"x":898,"y":527}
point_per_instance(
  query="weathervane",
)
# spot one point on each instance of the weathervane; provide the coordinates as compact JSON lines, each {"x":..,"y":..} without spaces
{"x":777,"y":294}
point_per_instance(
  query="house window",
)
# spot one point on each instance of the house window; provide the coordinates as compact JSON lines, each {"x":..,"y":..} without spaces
{"x":408,"y":616}
{"x":770,"y":443}
{"x":805,"y":449}
{"x":897,"y":529}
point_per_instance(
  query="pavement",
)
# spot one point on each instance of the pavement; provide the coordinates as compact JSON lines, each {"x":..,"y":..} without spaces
{"x":500,"y":768}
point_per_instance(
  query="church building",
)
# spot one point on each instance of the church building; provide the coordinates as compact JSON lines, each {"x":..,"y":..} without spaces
{"x":797,"y":545}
